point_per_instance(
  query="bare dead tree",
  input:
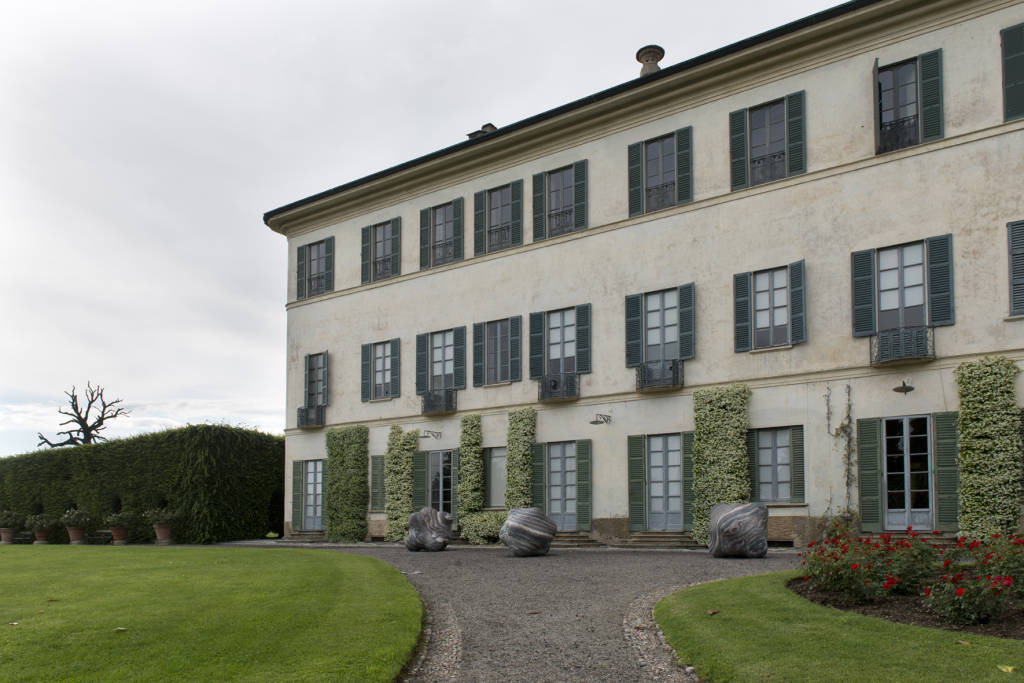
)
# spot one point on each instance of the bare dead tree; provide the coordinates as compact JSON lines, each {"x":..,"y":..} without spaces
{"x":87,"y":424}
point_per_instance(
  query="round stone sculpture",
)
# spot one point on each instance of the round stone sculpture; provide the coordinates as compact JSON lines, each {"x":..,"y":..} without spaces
{"x":738,"y":530}
{"x":527,"y":531}
{"x":429,"y":529}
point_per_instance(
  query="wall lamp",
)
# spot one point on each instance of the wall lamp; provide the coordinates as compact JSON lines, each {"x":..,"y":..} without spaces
{"x":428,"y":434}
{"x":600,"y":419}
{"x":903,"y":388}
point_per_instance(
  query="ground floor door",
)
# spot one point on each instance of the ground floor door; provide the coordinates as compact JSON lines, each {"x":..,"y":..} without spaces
{"x":439,"y":478}
{"x":664,"y":483}
{"x":313,"y":495}
{"x":907,"y":461}
{"x":562,"y":484}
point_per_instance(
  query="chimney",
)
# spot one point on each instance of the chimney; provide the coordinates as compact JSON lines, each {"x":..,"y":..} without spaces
{"x":484,"y":130}
{"x":649,"y":56}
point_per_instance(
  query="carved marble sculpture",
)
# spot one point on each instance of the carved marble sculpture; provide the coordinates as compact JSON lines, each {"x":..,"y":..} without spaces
{"x":527,"y":531}
{"x":738,"y":530}
{"x":429,"y":529}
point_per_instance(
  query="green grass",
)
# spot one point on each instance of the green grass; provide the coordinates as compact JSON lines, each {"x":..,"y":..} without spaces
{"x":201,"y":614}
{"x":764,"y":632}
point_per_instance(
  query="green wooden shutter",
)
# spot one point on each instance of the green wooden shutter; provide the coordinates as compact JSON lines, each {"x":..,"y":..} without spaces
{"x":297,"y":495}
{"x":396,"y":246}
{"x":307,"y":381}
{"x":537,"y":483}
{"x":797,"y":303}
{"x":329,"y":264}
{"x":376,"y":482}
{"x":687,"y":481}
{"x":738,"y":149}
{"x":1015,"y":238}
{"x":752,"y":471}
{"x":741,"y":334}
{"x":635,"y":163}
{"x":579,"y":195}
{"x":634,"y":330}
{"x":536,"y":345}
{"x":515,"y":348}
{"x":324,"y":374}
{"x":877,"y":106}
{"x":539,"y":215}
{"x":584,"y":489}
{"x":424,"y":238}
{"x":687,"y":324}
{"x":487,"y":477}
{"x":421,"y":364}
{"x":455,"y":488}
{"x":796,"y":464}
{"x":931,"y":95}
{"x":479,"y":223}
{"x":365,"y":362}
{"x":1013,"y":71}
{"x":947,"y":477}
{"x":457,"y":248}
{"x":583,"y":339}
{"x":365,"y":254}
{"x":636,"y":477}
{"x":684,"y":165}
{"x":869,"y":472}
{"x":300,"y":273}
{"x":796,"y":153}
{"x":941,"y":310}
{"x":516,"y":227}
{"x":396,"y":367}
{"x":862,"y":273}
{"x":478,"y":354}
{"x":459,"y":351}
{"x":419,"y":480}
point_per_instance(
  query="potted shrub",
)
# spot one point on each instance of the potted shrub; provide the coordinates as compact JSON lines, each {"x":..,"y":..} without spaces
{"x":10,"y":522}
{"x":75,"y":521}
{"x":120,"y":525}
{"x":161,"y":519}
{"x":40,"y":525}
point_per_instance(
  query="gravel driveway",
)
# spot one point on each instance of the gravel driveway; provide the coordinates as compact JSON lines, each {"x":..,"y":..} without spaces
{"x":563,"y":617}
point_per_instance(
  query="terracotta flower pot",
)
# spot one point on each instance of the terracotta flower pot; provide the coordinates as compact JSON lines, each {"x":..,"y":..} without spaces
{"x":163,"y":534}
{"x":76,"y":534}
{"x":42,"y":537}
{"x":120,"y":534}
{"x":6,"y":536}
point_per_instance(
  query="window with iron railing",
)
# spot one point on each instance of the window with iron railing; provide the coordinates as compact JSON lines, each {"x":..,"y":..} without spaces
{"x":316,"y":268}
{"x":660,"y":173}
{"x":767,"y":142}
{"x":499,"y":219}
{"x":382,"y":242}
{"x":898,"y":106}
{"x":560,"y":201}
{"x":442,"y":234}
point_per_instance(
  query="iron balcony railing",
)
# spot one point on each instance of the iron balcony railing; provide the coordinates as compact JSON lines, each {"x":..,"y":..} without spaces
{"x":903,"y":343}
{"x":659,"y":374}
{"x":316,"y":284}
{"x":767,"y":168}
{"x":444,"y":252}
{"x":660,"y":196}
{"x":499,"y":237}
{"x":311,"y":416}
{"x":437,"y":401}
{"x":561,"y":221}
{"x":382,"y":268}
{"x":560,"y":386}
{"x":898,"y":134}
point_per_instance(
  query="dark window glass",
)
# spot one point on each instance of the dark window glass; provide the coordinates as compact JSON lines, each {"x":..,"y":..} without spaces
{"x":768,"y":142}
{"x":315,"y":393}
{"x":897,"y":106}
{"x":660,"y":173}
{"x":382,"y":250}
{"x":561,"y":207}
{"x":441,"y":481}
{"x":661,"y":325}
{"x":442,"y":360}
{"x":771,"y":307}
{"x":497,"y":351}
{"x":442,"y":234}
{"x":562,"y":341}
{"x":382,"y":370}
{"x":316,"y":268}
{"x":499,"y":218}
{"x":901,"y":287}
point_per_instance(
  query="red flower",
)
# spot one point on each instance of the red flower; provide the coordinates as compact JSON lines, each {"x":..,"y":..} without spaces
{"x":927,"y":591}
{"x":945,"y":563}
{"x":959,"y":592}
{"x":854,"y":565}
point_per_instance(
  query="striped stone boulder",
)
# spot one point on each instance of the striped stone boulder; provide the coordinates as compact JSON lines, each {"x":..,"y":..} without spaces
{"x":738,"y":530}
{"x":429,"y":530}
{"x":527,"y":531}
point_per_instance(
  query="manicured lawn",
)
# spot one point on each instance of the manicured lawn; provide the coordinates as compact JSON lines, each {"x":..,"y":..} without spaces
{"x":201,"y":614}
{"x":763,"y":632}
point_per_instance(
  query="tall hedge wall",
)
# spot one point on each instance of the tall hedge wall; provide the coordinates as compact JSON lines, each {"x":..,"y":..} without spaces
{"x":347,"y":493}
{"x":522,"y":429}
{"x":471,"y":466}
{"x":226,"y":482}
{"x":721,"y":471}
{"x":398,"y":481}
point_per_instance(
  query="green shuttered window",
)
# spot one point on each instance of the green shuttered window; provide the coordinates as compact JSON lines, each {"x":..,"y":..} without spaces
{"x":687,"y":481}
{"x":759,"y":319}
{"x":538,"y":483}
{"x":538,"y":335}
{"x":636,"y":327}
{"x":314,"y":274}
{"x":1013,"y":72}
{"x":947,"y":477}
{"x":560,"y":201}
{"x":380,"y":370}
{"x":869,"y":473}
{"x":781,"y":149}
{"x":419,"y":480}
{"x":776,"y":461}
{"x":498,"y":218}
{"x":441,"y":234}
{"x":381,"y":250}
{"x":497,"y":351}
{"x":457,"y":377}
{"x":297,"y":495}
{"x":584,"y":486}
{"x":660,"y":172}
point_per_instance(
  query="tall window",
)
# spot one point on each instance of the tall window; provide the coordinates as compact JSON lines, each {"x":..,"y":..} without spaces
{"x":897,"y":106}
{"x":382,"y":370}
{"x":773,"y":465}
{"x":495,"y":474}
{"x":661,"y":325}
{"x":442,"y":360}
{"x":442,"y":234}
{"x":497,"y":351}
{"x":561,"y":214}
{"x":561,"y":340}
{"x":316,"y":379}
{"x":499,"y":218}
{"x":901,"y":287}
{"x":771,"y":307}
{"x":313,"y":494}
{"x":659,"y":173}
{"x":440,"y":481}
{"x":382,"y":233}
{"x":316,"y":268}
{"x":768,"y":142}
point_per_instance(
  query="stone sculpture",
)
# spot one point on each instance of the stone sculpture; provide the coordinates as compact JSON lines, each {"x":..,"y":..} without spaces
{"x":429,"y":529}
{"x":527,"y":531}
{"x":738,"y":530}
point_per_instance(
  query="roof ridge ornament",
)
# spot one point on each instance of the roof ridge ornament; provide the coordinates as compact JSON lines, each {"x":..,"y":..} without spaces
{"x":649,"y":56}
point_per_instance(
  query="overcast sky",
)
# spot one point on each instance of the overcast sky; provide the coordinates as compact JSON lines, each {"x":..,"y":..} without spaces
{"x":141,"y":142}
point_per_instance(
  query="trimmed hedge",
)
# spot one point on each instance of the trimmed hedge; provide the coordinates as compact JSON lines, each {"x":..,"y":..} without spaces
{"x":347,"y":490}
{"x":471,"y":467}
{"x":522,"y":430}
{"x":989,"y":460}
{"x":481,"y":527}
{"x":721,"y":472}
{"x":398,"y":482}
{"x":227,"y":483}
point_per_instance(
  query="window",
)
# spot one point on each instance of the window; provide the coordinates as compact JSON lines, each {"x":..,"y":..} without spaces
{"x":767,"y":142}
{"x":659,"y":328}
{"x":660,"y":172}
{"x":381,"y":370}
{"x":494,"y":477}
{"x":776,"y":464}
{"x":376,"y":482}
{"x":661,"y":325}
{"x":559,"y":350}
{"x":307,"y":495}
{"x":441,"y":234}
{"x":901,"y":286}
{"x":908,"y":102}
{"x":315,"y":269}
{"x":316,"y":379}
{"x":562,"y":485}
{"x":442,"y":360}
{"x":497,"y":358}
{"x":1015,"y":236}
{"x":498,"y":218}
{"x":382,"y":250}
{"x":439,"y":481}
{"x":659,"y":473}
{"x":560,"y":201}
{"x":1013,"y":71}
{"x":441,"y":366}
{"x":769,"y":308}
